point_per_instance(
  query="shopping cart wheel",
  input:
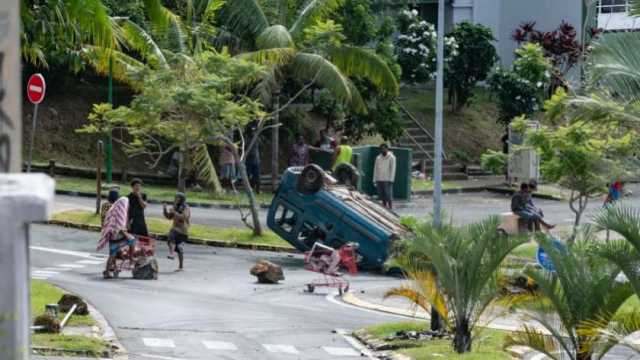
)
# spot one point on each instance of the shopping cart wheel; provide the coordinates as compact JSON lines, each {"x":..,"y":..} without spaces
{"x":346,"y":288}
{"x":116,"y":274}
{"x":310,"y":288}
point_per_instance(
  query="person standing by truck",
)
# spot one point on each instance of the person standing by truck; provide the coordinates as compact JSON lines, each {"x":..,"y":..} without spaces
{"x":341,"y":154}
{"x":384,"y":174}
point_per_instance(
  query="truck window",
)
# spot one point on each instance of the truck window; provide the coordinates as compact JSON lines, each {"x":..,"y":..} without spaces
{"x":285,"y":218}
{"x":310,"y":234}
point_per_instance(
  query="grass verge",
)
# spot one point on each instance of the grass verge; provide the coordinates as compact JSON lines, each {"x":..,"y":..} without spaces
{"x":427,"y":185}
{"x":162,"y":193}
{"x":204,"y":232}
{"x":42,"y":294}
{"x":487,"y":343}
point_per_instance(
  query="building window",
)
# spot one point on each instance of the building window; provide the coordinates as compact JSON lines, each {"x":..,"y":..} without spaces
{"x":613,"y":6}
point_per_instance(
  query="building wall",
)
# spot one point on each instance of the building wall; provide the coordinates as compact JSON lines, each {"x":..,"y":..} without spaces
{"x":504,"y":16}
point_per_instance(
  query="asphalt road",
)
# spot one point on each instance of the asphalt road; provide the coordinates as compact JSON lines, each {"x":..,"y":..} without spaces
{"x":461,"y":208}
{"x":212,"y":310}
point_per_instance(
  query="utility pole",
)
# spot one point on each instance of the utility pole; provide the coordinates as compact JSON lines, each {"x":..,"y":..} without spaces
{"x":108,"y":144}
{"x":275,"y":142}
{"x":437,"y":159}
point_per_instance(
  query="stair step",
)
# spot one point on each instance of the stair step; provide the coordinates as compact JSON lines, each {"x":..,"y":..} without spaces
{"x":454,"y":176}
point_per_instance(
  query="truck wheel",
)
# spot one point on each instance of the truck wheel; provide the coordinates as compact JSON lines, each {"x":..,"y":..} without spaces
{"x":347,"y":174}
{"x":311,"y":179}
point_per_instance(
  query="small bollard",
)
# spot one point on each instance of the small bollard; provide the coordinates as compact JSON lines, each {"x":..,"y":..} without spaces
{"x":52,"y":309}
{"x":52,"y":168}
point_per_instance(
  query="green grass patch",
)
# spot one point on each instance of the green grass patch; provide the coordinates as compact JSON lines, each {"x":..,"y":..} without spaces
{"x":487,"y":343}
{"x":427,"y":185}
{"x":632,"y":304}
{"x":43,"y":293}
{"x":163,"y":193}
{"x":71,"y":343}
{"x":527,"y":251}
{"x":204,"y":232}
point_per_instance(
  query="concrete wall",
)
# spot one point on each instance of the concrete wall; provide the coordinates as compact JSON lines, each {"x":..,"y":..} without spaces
{"x":504,"y":16}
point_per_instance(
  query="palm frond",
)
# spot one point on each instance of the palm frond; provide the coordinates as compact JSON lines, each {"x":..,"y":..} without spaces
{"x":266,"y":86}
{"x":354,"y":61}
{"x":313,"y":11}
{"x":357,"y":103}
{"x":243,"y":18}
{"x":205,"y":169}
{"x":634,"y":7}
{"x":124,"y":68}
{"x":535,"y":340}
{"x":615,"y":65}
{"x":313,"y":67}
{"x":139,"y":40}
{"x":167,"y":23}
{"x":606,"y":334}
{"x":275,"y":36}
{"x":92,"y":18}
{"x":626,"y":257}
{"x":624,"y":220}
{"x":274,"y":57}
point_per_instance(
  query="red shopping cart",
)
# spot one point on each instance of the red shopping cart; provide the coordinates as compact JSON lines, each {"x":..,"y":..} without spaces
{"x":145,"y":246}
{"x":328,"y":262}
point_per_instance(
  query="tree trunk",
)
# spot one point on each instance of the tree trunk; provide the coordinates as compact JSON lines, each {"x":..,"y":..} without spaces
{"x":582,"y":206}
{"x":275,"y":144}
{"x":181,"y":182}
{"x":462,"y":338}
{"x":253,"y":205}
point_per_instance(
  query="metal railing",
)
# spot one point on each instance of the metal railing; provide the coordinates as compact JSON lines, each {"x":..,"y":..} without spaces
{"x":422,"y":128}
{"x":613,"y":6}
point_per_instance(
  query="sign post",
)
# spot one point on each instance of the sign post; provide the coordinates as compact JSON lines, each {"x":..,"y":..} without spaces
{"x":35,"y":92}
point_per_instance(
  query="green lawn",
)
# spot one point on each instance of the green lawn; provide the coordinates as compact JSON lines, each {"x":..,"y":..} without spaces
{"x":527,"y":251}
{"x":162,"y":193}
{"x":427,"y":185}
{"x":162,"y":226}
{"x":487,"y":344}
{"x":43,"y":293}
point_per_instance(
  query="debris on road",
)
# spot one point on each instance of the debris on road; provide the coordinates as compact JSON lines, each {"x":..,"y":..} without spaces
{"x":46,"y":323}
{"x":145,"y":268}
{"x":67,"y":301}
{"x":267,"y":272}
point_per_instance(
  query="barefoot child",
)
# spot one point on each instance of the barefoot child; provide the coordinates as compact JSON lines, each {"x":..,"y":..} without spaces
{"x":179,"y":233}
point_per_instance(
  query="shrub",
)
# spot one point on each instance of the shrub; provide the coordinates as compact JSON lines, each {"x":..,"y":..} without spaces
{"x":522,"y":90}
{"x":494,"y":162}
{"x":475,"y":59}
{"x":416,"y":48}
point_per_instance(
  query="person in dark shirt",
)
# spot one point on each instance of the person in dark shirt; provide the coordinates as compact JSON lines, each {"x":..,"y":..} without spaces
{"x":522,"y":205}
{"x":137,"y":204}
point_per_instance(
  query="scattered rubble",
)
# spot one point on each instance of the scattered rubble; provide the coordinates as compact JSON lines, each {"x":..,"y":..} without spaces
{"x":46,"y":323}
{"x":419,"y":335}
{"x":66,"y":302}
{"x":267,"y":272}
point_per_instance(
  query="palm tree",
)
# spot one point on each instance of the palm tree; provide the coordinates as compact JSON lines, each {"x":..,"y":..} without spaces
{"x":281,"y":46}
{"x":466,"y":261}
{"x":583,"y":290}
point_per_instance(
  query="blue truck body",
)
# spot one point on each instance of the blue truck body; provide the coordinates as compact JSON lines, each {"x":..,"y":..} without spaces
{"x":335,"y":215}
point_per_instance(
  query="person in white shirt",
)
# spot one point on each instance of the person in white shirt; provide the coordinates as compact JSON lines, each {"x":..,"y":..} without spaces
{"x":384,"y":173}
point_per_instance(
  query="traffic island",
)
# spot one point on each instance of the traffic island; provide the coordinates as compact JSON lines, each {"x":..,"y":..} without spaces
{"x":414,"y":340}
{"x":86,"y":334}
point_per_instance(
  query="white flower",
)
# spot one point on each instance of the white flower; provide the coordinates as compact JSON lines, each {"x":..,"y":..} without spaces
{"x":414,"y":12}
{"x":539,"y":84}
{"x":518,"y":97}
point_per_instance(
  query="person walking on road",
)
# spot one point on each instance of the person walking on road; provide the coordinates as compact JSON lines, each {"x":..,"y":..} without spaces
{"x":137,"y":204}
{"x":180,"y":214}
{"x":114,"y":234}
{"x":384,"y":174}
{"x":106,"y":205}
{"x":252,"y":159}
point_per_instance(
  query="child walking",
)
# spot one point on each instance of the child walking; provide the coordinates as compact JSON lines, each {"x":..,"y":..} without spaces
{"x":180,"y":214}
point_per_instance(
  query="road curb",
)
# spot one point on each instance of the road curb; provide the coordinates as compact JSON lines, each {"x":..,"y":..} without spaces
{"x":152,"y":201}
{"x":501,"y":190}
{"x":194,"y":241}
{"x":351,"y":299}
{"x":382,"y":349}
{"x":474,"y":189}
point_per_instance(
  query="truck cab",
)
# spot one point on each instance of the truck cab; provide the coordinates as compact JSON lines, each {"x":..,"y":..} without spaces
{"x":309,"y":206}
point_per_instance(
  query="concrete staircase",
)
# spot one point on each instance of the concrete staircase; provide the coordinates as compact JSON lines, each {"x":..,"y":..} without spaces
{"x":421,"y":142}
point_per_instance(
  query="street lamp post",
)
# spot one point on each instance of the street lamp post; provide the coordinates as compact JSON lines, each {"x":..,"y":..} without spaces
{"x":437,"y":159}
{"x":108,"y":149}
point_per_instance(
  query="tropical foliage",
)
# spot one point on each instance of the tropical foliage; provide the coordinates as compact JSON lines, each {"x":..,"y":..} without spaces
{"x":416,"y":48}
{"x":455,"y":271}
{"x":583,"y":289}
{"x":475,"y":59}
{"x":522,"y":90}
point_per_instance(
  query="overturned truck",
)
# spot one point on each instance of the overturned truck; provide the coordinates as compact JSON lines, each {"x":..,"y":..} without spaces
{"x":311,"y":206}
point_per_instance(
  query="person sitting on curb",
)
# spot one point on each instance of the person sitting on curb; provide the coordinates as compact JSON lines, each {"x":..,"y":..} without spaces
{"x":522,"y":205}
{"x":180,"y":214}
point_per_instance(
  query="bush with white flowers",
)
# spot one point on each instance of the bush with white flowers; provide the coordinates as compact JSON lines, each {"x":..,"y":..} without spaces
{"x":416,"y":48}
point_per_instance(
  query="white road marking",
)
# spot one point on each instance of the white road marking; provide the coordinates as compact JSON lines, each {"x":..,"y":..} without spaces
{"x":340,"y":351}
{"x":155,"y":342}
{"x":44,"y":272}
{"x":356,"y":344}
{"x":56,"y":269}
{"x":90,"y":262}
{"x":72,"y":266}
{"x":65,"y":252}
{"x":278,"y":348}
{"x":152,"y":356}
{"x":219,"y":345}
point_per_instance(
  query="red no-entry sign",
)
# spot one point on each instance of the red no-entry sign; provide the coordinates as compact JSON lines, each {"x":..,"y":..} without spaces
{"x":35,"y":88}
